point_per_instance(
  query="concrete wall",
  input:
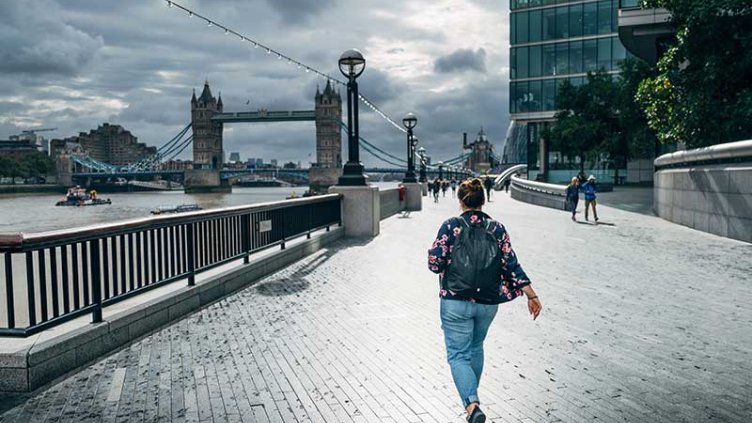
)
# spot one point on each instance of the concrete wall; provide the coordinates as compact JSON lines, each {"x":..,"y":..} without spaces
{"x":390,"y":203}
{"x":537,"y":198}
{"x":715,"y":199}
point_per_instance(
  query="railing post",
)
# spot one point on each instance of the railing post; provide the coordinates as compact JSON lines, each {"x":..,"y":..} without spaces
{"x":96,"y":281}
{"x":30,"y":295}
{"x":190,"y":240}
{"x":282,"y":212}
{"x":310,"y":220}
{"x":245,"y":234}
{"x":9,"y":291}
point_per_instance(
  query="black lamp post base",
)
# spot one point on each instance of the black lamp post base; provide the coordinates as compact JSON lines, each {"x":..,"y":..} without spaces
{"x":409,"y":178}
{"x":352,"y":175}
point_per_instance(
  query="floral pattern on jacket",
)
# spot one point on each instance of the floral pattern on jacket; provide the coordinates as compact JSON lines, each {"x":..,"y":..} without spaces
{"x":513,"y":278}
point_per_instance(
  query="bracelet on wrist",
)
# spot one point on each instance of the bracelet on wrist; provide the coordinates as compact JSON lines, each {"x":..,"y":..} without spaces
{"x":532,"y":297}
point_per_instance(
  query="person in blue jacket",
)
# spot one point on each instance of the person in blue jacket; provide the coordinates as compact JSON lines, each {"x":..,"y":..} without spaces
{"x":589,"y":189}
{"x":573,"y":196}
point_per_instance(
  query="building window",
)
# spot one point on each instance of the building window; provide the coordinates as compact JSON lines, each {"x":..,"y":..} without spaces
{"x":522,"y":27}
{"x":604,"y":53}
{"x":590,"y":55}
{"x":562,"y":58}
{"x":562,"y":22}
{"x":575,"y":20}
{"x":535,"y":61}
{"x":575,"y":57}
{"x":534,"y":96}
{"x":549,"y":60}
{"x":522,"y":62}
{"x":605,"y":18}
{"x":535,"y":24}
{"x":548,"y":95}
{"x":619,"y":52}
{"x":590,"y":19}
{"x":549,"y":24}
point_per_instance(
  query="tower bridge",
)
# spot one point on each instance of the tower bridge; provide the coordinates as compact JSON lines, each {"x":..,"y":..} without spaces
{"x":208,"y":118}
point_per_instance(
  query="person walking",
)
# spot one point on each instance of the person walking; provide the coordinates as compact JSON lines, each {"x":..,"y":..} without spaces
{"x":453,"y":185}
{"x":488,"y":183}
{"x":436,"y":188}
{"x":478,"y":270}
{"x":444,"y":187}
{"x":573,"y":196}
{"x":589,"y":189}
{"x":506,"y":184}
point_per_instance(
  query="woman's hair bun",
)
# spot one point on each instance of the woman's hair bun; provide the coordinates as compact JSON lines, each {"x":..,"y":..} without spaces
{"x":471,"y":193}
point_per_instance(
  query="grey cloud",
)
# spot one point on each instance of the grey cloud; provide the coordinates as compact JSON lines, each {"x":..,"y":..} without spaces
{"x":298,"y":11}
{"x":52,"y":46}
{"x":462,"y":60}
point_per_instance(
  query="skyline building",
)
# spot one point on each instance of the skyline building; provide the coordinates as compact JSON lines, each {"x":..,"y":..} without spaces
{"x":552,"y":42}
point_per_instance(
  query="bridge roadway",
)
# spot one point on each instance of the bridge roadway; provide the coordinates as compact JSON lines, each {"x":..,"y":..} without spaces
{"x":644,"y":321}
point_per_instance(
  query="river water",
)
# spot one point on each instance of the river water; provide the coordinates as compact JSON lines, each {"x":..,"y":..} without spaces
{"x":37,"y":212}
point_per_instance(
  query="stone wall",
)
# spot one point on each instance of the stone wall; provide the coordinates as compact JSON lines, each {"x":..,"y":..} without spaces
{"x":715,"y":199}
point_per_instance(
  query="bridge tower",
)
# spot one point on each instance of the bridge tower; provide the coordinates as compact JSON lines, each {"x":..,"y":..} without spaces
{"x":328,"y":167}
{"x":208,"y":154}
{"x":207,"y":135}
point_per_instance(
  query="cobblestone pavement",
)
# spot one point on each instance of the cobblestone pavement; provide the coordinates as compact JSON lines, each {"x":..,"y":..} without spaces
{"x":644,"y":321}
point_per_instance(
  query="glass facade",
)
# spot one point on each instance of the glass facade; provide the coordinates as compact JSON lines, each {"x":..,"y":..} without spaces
{"x":553,"y":41}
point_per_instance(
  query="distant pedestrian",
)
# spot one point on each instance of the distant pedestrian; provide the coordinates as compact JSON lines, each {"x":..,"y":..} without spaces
{"x":453,"y":185}
{"x":506,"y":184}
{"x":444,"y":187}
{"x":436,"y":188}
{"x":478,"y":270}
{"x":488,"y":184}
{"x":573,"y":196}
{"x":589,"y":189}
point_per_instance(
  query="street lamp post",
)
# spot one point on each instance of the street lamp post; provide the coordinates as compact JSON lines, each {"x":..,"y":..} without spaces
{"x":422,"y":155}
{"x":409,"y":121}
{"x":441,"y":170}
{"x":352,"y":64}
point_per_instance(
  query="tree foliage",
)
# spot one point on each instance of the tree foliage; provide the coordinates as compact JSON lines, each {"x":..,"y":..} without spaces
{"x":702,"y":94}
{"x":33,"y":165}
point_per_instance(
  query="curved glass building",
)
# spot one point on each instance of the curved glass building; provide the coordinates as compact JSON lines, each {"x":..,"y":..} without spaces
{"x":553,"y":41}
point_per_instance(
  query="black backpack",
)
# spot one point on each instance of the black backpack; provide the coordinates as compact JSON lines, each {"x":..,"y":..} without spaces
{"x":475,"y":270}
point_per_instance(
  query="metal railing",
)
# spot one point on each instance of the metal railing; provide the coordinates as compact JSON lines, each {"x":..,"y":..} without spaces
{"x":50,"y":277}
{"x":541,"y":187}
{"x":499,"y":181}
{"x":732,"y":152}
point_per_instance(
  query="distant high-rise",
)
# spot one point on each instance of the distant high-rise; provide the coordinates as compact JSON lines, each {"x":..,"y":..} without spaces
{"x":111,"y":144}
{"x":207,"y":135}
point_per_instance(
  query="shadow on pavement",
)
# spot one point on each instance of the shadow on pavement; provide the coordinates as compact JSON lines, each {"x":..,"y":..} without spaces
{"x":632,"y":199}
{"x":296,"y":282}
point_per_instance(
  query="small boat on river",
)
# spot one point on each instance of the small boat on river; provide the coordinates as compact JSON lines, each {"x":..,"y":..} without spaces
{"x":78,"y":197}
{"x":176,"y":209}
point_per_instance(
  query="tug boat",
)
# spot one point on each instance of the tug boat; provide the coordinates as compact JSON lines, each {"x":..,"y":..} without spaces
{"x":78,"y":197}
{"x":176,"y":209}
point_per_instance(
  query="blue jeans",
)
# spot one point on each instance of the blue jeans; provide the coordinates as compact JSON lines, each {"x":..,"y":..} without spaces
{"x":465,"y":325}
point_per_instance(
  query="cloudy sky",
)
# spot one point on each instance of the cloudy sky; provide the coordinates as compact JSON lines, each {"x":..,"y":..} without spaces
{"x":74,"y":64}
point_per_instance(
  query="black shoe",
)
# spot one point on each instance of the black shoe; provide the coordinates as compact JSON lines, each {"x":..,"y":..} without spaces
{"x":477,"y":417}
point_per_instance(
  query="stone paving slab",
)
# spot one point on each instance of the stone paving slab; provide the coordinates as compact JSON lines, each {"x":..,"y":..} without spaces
{"x":644,"y":320}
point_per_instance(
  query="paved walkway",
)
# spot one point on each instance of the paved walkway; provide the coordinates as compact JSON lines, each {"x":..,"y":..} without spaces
{"x":644,"y":321}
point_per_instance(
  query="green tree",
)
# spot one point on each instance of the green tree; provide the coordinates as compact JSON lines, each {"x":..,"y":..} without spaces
{"x":8,"y":167}
{"x":586,"y":122}
{"x":636,"y":137}
{"x":702,"y":94}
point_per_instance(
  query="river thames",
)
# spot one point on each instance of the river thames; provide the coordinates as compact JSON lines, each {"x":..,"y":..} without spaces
{"x":37,"y":212}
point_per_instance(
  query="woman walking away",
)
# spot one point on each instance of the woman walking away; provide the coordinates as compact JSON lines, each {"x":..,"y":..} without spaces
{"x":573,"y":196}
{"x":589,"y":189}
{"x":436,"y":188}
{"x":478,"y":270}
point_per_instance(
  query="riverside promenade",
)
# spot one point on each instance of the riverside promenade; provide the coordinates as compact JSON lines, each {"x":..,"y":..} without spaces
{"x":643,"y":320}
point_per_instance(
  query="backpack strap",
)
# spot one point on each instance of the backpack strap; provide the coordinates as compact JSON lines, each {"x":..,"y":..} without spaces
{"x":463,"y":220}
{"x":490,"y":224}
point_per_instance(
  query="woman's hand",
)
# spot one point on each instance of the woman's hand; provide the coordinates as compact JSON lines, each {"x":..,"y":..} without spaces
{"x":534,"y":305}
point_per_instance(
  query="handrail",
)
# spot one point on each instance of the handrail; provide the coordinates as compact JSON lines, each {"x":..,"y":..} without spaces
{"x":70,"y":272}
{"x":20,"y":241}
{"x":542,"y":187}
{"x":507,"y":174}
{"x":719,"y":152}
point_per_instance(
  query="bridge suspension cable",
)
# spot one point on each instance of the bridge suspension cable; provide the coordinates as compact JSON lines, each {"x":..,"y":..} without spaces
{"x":281,"y":56}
